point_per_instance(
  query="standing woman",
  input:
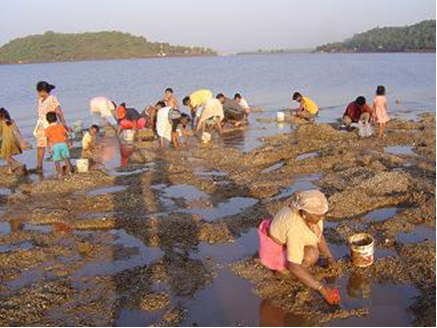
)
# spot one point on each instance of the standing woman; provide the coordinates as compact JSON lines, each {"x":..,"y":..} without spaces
{"x":10,"y":145}
{"x":46,"y":103}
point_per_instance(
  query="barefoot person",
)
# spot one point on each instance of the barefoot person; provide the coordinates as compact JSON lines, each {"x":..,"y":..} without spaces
{"x":46,"y":103}
{"x":57,"y":139}
{"x":380,"y":110}
{"x":357,"y":111}
{"x":211,"y":116}
{"x":292,"y":241}
{"x":308,"y":109}
{"x":10,"y":145}
{"x":163,"y":124}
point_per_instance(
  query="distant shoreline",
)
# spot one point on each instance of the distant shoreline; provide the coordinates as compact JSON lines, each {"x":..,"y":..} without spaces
{"x":103,"y":59}
{"x":314,"y":52}
{"x":209,"y":56}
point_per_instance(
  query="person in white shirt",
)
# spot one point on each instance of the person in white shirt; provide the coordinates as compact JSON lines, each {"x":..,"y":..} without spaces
{"x":101,"y":108}
{"x":242,"y":102}
{"x":163,"y":125}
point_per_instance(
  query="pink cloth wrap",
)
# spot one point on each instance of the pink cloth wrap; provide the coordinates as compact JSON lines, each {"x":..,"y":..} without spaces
{"x":272,"y":255}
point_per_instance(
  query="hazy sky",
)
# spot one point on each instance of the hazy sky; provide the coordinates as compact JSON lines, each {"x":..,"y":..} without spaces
{"x":224,"y":25}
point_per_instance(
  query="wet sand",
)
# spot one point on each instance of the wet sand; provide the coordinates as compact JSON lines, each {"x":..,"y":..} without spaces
{"x":171,"y":239}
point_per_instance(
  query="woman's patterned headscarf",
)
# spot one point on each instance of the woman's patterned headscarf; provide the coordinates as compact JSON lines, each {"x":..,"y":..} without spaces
{"x":311,"y":201}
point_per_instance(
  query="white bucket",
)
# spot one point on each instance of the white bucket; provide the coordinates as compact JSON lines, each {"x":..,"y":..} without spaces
{"x":362,"y":249}
{"x":129,"y":135}
{"x":206,"y":137}
{"x":280,"y":116}
{"x":82,"y":165}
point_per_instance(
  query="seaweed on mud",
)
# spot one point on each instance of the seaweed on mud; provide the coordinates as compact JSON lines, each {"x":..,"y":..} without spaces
{"x":291,"y":295}
{"x":356,"y":175}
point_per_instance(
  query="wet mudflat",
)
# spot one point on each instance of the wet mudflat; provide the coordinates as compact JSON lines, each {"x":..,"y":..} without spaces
{"x":171,"y":238}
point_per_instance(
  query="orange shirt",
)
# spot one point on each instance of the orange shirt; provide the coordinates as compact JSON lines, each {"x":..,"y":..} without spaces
{"x":56,"y":133}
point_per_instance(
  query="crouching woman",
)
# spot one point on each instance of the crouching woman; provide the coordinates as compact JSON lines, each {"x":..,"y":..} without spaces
{"x":292,"y":242}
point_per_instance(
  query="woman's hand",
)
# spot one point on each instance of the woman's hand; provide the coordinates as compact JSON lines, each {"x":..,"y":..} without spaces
{"x":331,"y":295}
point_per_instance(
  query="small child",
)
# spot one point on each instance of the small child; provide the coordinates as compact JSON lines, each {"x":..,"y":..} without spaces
{"x":10,"y":144}
{"x":380,"y":111}
{"x":57,"y":139}
{"x":89,"y":141}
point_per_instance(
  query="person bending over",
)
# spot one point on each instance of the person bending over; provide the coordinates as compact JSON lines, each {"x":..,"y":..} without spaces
{"x":234,"y":113}
{"x":196,"y":101}
{"x":292,"y":242}
{"x":243,"y":103}
{"x":211,"y":116}
{"x":308,"y":109}
{"x":357,"y":111}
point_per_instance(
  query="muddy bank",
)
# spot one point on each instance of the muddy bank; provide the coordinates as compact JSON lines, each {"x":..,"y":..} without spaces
{"x":139,"y":245}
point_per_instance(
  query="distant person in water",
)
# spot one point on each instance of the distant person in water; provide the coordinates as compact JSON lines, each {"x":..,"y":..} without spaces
{"x":47,"y":103}
{"x":234,"y":113}
{"x":170,"y":99}
{"x":308,"y":109}
{"x":103,"y":109}
{"x":10,"y":144}
{"x":380,"y":110}
{"x":196,"y":101}
{"x":242,"y":102}
{"x":357,"y":111}
{"x":57,"y":138}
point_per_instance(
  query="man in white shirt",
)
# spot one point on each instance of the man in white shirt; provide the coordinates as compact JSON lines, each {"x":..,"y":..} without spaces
{"x":242,"y":102}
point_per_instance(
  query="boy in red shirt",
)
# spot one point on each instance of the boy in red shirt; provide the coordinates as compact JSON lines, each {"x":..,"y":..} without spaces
{"x":57,"y":139}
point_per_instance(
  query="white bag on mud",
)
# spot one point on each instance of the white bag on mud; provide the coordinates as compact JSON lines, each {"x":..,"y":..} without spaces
{"x":82,"y":165}
{"x":365,"y":129}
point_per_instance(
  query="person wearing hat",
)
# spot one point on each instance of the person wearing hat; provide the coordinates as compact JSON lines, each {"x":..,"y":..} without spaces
{"x":292,"y":242}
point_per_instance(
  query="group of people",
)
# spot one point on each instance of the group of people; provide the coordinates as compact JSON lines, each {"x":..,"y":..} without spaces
{"x":165,"y":119}
{"x":290,"y":243}
{"x":357,"y":111}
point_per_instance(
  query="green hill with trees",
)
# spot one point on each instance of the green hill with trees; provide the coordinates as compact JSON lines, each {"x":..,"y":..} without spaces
{"x":420,"y":37}
{"x":54,"y":47}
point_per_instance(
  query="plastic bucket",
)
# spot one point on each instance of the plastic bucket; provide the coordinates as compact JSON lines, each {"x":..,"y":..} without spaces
{"x":129,"y":135}
{"x":82,"y":165}
{"x":280,"y":116}
{"x":362,"y":247}
{"x":206,"y":137}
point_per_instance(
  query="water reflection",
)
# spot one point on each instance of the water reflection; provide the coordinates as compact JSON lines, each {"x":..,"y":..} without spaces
{"x":272,"y":316}
{"x":359,"y":285}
